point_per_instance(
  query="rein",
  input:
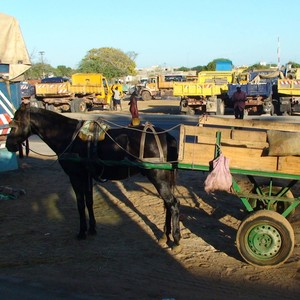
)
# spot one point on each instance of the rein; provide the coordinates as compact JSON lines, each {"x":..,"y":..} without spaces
{"x":76,"y":132}
{"x":141,"y":154}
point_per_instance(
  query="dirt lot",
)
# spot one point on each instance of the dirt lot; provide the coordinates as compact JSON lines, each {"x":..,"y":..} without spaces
{"x":124,"y":261}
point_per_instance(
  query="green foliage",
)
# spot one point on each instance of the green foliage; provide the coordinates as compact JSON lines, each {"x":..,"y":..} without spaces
{"x":111,"y":62}
{"x":183,"y":69}
{"x":63,"y":71}
{"x":258,"y":67}
{"x":39,"y":71}
{"x":294,"y":64}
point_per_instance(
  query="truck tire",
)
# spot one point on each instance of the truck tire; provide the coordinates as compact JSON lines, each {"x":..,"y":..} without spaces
{"x":78,"y":105}
{"x":146,"y":96}
{"x":50,"y":107}
{"x":37,"y":103}
{"x":220,"y":108}
{"x":190,"y":111}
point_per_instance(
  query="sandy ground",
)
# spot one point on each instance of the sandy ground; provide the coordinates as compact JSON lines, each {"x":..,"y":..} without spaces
{"x":38,"y":247}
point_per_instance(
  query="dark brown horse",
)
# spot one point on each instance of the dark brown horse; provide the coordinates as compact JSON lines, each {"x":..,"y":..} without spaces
{"x":124,"y":152}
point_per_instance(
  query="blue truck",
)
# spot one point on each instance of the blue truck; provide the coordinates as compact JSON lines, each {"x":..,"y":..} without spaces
{"x":259,"y":87}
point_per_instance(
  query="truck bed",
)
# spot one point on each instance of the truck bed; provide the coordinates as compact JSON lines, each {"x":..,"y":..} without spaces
{"x":197,"y":89}
{"x":289,"y":87}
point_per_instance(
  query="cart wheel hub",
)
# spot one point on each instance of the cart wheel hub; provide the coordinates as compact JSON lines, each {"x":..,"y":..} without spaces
{"x":264,"y":241}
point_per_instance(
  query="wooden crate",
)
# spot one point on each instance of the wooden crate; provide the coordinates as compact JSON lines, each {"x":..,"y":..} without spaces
{"x":243,"y":142}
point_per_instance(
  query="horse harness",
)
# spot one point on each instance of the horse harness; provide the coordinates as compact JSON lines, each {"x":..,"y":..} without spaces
{"x":94,"y":131}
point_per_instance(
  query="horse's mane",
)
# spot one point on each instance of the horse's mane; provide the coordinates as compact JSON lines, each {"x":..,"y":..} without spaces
{"x":55,"y":117}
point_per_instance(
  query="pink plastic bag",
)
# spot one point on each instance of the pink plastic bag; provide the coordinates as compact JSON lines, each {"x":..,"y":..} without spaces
{"x":219,"y":179}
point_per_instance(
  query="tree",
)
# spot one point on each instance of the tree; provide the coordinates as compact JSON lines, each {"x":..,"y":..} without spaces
{"x":39,"y":71}
{"x":111,"y":62}
{"x":258,"y":66}
{"x":294,"y":64}
{"x":63,"y":71}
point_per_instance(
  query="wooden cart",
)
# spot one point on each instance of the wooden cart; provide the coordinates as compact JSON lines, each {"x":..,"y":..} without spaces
{"x":265,"y":237}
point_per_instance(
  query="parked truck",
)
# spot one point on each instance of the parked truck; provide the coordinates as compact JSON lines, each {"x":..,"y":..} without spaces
{"x":158,"y":86}
{"x":259,"y":88}
{"x":206,"y":95}
{"x":83,"y":92}
{"x":287,"y":93}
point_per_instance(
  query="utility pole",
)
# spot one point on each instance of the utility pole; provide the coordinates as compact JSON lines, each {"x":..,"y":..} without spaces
{"x":42,"y":61}
{"x":278,"y":55}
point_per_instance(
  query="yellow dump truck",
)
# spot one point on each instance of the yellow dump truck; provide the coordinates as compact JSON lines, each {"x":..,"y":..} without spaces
{"x":85,"y":91}
{"x":287,"y":94}
{"x":158,"y":86}
{"x":206,"y":95}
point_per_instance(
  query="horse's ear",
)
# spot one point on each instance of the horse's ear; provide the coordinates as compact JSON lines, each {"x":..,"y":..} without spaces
{"x":24,"y":105}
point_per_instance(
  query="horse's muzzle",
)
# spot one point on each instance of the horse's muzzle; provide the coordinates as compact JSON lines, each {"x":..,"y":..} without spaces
{"x":11,"y":147}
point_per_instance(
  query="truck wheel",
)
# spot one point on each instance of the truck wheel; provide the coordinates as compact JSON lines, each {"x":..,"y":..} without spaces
{"x":50,"y":107}
{"x":78,"y":105}
{"x":190,"y":111}
{"x":220,"y":108}
{"x":37,"y":103}
{"x":146,"y":96}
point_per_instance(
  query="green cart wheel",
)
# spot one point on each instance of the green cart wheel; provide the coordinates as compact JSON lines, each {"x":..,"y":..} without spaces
{"x":265,"y":238}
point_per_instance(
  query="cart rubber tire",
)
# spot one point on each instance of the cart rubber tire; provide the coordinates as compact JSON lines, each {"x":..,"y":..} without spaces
{"x":265,"y":238}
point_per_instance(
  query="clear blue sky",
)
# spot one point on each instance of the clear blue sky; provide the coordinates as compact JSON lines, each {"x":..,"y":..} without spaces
{"x":162,"y":32}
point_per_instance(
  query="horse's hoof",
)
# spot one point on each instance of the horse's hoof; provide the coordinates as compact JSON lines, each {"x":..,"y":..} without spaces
{"x":176,"y":249}
{"x":163,"y":240}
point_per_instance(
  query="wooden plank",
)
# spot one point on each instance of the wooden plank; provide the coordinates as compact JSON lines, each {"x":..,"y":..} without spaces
{"x":207,"y":135}
{"x":181,"y":142}
{"x":200,"y":154}
{"x":208,"y":131}
{"x":244,"y":144}
{"x":249,"y":159}
{"x":239,"y":158}
{"x":289,"y":164}
{"x":258,"y":124}
{"x":249,"y":135}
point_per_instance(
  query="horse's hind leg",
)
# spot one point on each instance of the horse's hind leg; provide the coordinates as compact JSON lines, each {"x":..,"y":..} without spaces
{"x":84,"y":197}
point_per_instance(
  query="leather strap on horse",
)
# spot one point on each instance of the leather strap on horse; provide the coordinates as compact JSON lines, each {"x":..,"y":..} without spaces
{"x":161,"y":157}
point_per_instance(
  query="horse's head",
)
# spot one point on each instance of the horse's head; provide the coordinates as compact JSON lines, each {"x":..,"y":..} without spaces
{"x":20,"y":128}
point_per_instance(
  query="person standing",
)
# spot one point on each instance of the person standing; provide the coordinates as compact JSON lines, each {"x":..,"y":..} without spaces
{"x":117,"y":99}
{"x":133,"y":108}
{"x":239,"y":98}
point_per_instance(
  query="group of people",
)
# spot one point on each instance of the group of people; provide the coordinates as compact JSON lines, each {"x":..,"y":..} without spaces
{"x":239,"y":99}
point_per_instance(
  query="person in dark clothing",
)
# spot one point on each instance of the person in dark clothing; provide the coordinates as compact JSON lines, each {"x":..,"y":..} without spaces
{"x":133,"y":108}
{"x":239,"y":98}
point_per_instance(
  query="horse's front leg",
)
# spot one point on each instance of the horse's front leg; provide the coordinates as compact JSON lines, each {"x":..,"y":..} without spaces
{"x":89,"y":205}
{"x":80,"y":186}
